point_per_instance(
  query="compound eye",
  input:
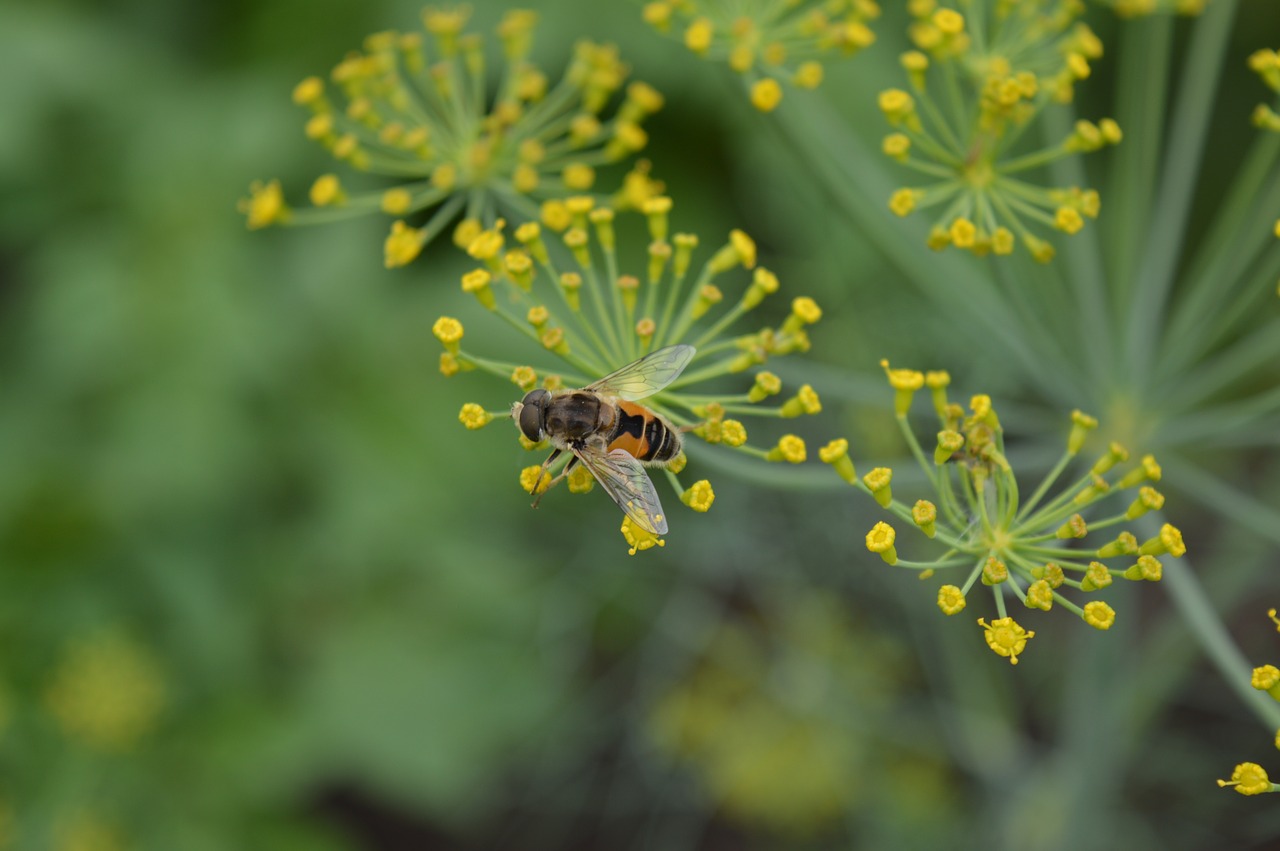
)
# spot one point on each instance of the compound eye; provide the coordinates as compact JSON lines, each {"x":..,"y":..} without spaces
{"x":531,"y":413}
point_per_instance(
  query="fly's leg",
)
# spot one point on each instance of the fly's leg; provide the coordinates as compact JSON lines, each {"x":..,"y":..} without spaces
{"x":545,"y":464}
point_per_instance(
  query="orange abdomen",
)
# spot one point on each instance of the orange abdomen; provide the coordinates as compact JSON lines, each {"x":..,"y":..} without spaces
{"x":642,"y":434}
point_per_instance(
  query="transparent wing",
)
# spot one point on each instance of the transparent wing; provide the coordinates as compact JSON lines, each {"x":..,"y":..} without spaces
{"x":646,"y":376}
{"x":627,"y":484}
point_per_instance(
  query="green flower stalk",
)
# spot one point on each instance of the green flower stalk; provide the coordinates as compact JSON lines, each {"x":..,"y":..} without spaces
{"x":416,"y":111}
{"x":584,"y":317}
{"x":769,"y":44}
{"x":978,"y":82}
{"x":1029,"y":549}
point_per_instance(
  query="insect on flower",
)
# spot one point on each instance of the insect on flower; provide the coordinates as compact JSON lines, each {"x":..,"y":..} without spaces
{"x":609,"y":434}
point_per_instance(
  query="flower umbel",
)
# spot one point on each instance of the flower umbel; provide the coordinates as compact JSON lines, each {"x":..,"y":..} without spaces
{"x":768,"y":43}
{"x":973,"y":94}
{"x":1031,"y":550}
{"x":1266,"y":63}
{"x":415,"y":110}
{"x":584,"y":317}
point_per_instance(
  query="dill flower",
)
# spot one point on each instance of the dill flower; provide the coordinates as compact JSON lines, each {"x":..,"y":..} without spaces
{"x":977,"y":84}
{"x":1032,"y":549}
{"x":583,"y":316}
{"x":1249,"y":778}
{"x":1141,"y":8}
{"x":1266,"y":64}
{"x":767,"y":43}
{"x":415,"y":110}
{"x":85,"y":830}
{"x":107,"y":692}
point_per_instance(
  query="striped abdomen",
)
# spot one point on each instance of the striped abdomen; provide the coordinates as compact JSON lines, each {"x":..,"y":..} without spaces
{"x":643,"y":434}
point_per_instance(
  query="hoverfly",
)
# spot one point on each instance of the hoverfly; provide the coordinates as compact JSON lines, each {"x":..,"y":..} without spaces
{"x":611,"y":435}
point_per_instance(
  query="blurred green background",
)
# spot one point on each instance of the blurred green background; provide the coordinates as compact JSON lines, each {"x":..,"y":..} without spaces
{"x":259,"y":589}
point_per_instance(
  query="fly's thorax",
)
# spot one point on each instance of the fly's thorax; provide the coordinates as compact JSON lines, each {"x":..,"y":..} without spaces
{"x":578,"y":414}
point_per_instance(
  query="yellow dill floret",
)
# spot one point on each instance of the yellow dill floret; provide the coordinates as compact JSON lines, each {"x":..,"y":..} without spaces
{"x":880,"y":541}
{"x":553,"y":339}
{"x":403,"y":245}
{"x":898,"y":146}
{"x":1124,"y":544}
{"x":806,"y":310}
{"x":836,"y":453}
{"x":1147,"y":569}
{"x":766,"y":384}
{"x":903,"y":201}
{"x":1265,"y":677}
{"x":1149,"y":499}
{"x":524,"y":377}
{"x":733,"y":433}
{"x":1051,"y":573}
{"x":1115,"y":454}
{"x":698,"y":36}
{"x":1006,"y":637}
{"x":951,"y":600}
{"x":808,"y":75}
{"x":107,"y":692}
{"x":1147,"y":470}
{"x":639,"y":540}
{"x":538,"y":316}
{"x":740,"y":250}
{"x":806,"y":401}
{"x":994,"y":571}
{"x":1081,"y":425}
{"x":265,"y":205}
{"x":466,"y":231}
{"x":949,"y":443}
{"x":896,"y":104}
{"x":790,"y":449}
{"x":1039,"y":596}
{"x":449,"y":365}
{"x":699,"y":497}
{"x":448,"y":331}
{"x":925,"y":515}
{"x":1249,"y":778}
{"x":963,"y":233}
{"x":948,"y":21}
{"x":1068,"y":220}
{"x":578,"y":177}
{"x":535,"y":477}
{"x":477,"y":283}
{"x":580,"y":480}
{"x":397,"y":201}
{"x":1002,"y":241}
{"x":905,"y":383}
{"x":519,"y":268}
{"x":766,"y":94}
{"x":1096,"y":576}
{"x":327,"y":191}
{"x":1098,"y":615}
{"x":474,"y":417}
{"x":880,"y":482}
{"x":763,"y":283}
{"x":487,"y":244}
{"x":1168,"y":541}
{"x":309,"y":91}
{"x":1075,"y":527}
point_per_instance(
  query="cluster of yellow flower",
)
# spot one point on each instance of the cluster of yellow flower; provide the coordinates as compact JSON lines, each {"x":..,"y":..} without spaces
{"x":422,"y":118}
{"x":582,"y":309}
{"x":1028,"y":549}
{"x":977,"y":83}
{"x":766,"y":42}
{"x":1249,"y":778}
